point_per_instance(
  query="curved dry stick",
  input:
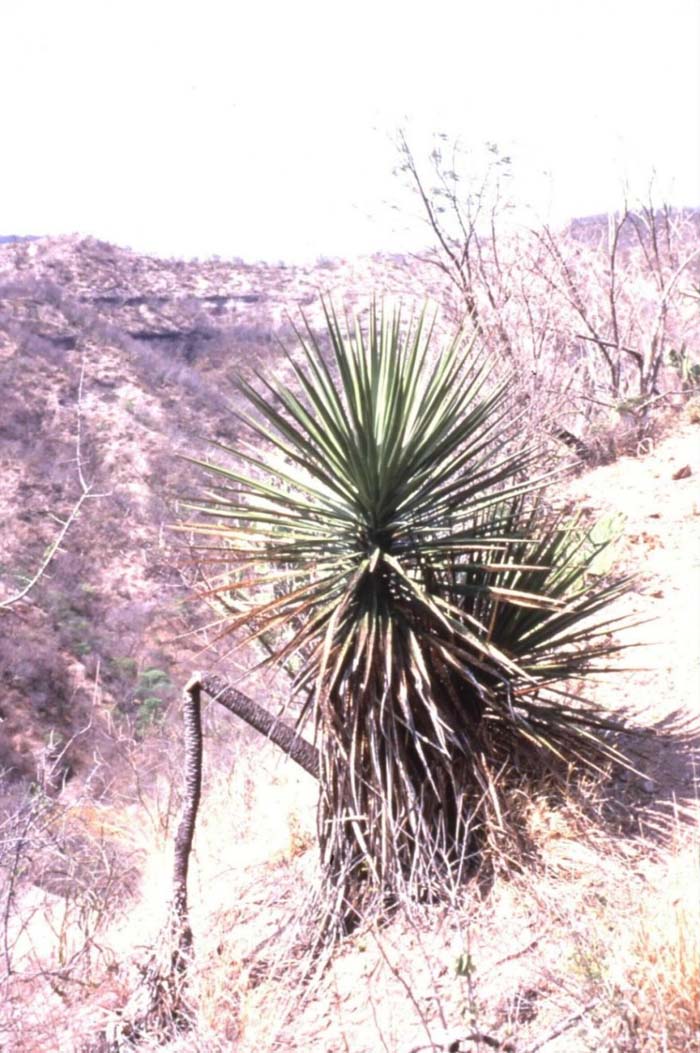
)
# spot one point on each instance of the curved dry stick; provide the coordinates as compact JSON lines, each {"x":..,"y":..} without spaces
{"x":192,"y":718}
{"x":159,"y":1004}
{"x":50,"y":553}
{"x":86,"y":491}
{"x":278,"y":731}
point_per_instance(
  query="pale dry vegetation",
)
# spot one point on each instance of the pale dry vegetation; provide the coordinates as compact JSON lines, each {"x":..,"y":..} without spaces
{"x":599,"y":321}
{"x":592,"y":940}
{"x":592,"y":945}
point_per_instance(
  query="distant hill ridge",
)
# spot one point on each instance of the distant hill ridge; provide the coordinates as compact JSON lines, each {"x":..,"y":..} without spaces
{"x":9,"y":239}
{"x":590,"y":229}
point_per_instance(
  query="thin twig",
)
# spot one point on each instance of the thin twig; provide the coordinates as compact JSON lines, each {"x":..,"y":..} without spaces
{"x":53,"y":548}
{"x":561,"y":1027}
{"x":397,"y":974}
{"x":86,"y":491}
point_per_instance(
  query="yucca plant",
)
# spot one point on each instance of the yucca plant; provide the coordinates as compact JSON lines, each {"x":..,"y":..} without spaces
{"x":384,"y":530}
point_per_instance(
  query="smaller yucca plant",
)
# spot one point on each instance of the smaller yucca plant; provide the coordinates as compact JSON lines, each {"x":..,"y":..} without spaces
{"x":384,"y":529}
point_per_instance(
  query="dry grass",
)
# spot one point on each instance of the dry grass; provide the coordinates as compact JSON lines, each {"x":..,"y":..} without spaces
{"x":601,"y":934}
{"x":86,"y":887}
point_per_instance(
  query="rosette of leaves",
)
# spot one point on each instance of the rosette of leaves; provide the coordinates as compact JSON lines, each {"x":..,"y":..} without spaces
{"x":384,"y":529}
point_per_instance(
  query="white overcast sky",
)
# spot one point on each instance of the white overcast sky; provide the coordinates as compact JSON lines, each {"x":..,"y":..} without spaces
{"x":262,"y":128}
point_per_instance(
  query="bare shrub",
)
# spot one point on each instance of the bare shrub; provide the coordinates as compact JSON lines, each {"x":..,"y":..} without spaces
{"x":65,"y":879}
{"x":589,"y":317}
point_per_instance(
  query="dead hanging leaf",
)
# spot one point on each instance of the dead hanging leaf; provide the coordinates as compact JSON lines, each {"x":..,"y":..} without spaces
{"x":683,"y":473}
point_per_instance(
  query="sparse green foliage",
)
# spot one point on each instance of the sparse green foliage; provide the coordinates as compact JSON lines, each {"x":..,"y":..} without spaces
{"x":150,"y":711}
{"x":387,"y":527}
{"x":153,"y":678}
{"x":151,"y":706}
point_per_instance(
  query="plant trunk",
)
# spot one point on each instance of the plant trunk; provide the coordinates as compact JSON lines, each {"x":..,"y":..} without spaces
{"x":193,"y":789}
{"x":159,"y":1005}
{"x":277,"y":730}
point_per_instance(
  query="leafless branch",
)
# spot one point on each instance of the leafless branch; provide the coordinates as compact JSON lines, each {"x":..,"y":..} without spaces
{"x":86,"y":492}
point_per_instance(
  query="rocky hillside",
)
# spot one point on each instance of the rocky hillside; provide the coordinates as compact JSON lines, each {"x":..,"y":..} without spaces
{"x":111,"y":364}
